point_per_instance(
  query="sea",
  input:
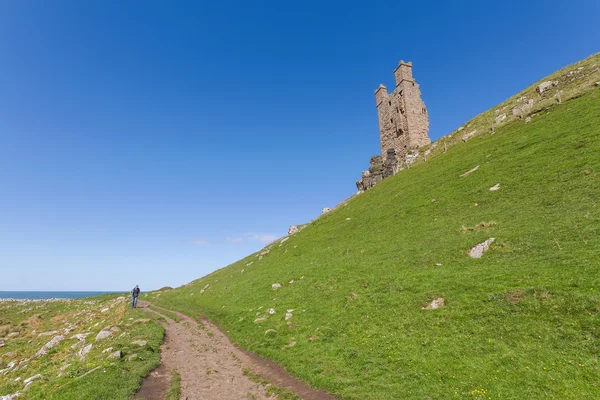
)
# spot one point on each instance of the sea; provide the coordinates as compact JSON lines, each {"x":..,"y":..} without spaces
{"x":51,"y":295}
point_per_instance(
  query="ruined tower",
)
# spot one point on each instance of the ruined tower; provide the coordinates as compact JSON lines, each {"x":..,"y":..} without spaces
{"x":403,"y":127}
{"x":403,"y":119}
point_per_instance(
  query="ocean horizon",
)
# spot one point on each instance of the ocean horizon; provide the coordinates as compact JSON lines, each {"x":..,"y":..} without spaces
{"x":42,"y":295}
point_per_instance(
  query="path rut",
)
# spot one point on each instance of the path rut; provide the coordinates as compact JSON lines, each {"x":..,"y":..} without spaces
{"x":211,"y":367}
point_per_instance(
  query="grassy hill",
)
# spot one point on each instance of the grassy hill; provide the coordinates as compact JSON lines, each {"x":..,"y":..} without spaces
{"x":523,"y":321}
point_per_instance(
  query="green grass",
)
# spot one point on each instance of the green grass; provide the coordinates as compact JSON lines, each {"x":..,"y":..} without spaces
{"x":175,"y":388}
{"x":521,"y":322}
{"x":64,"y":374}
{"x":168,"y":314}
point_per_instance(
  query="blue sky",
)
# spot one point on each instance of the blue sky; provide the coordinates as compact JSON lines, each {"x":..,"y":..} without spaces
{"x":151,"y":142}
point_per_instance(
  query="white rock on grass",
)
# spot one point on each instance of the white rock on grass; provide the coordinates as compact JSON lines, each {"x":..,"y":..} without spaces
{"x":47,"y":333}
{"x":115,"y":354}
{"x":105,"y":310}
{"x":495,"y":187}
{"x":271,"y":311}
{"x":33,"y":378}
{"x":276,"y":286}
{"x":52,"y":343}
{"x":103,"y":334}
{"x":81,"y":336}
{"x":288,"y":315}
{"x":107,"y":350}
{"x":435,"y":304}
{"x":10,"y":396}
{"x":140,"y":342}
{"x":83,"y":352}
{"x":477,"y":251}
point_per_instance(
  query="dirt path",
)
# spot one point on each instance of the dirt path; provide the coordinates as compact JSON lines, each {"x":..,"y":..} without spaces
{"x":211,"y":367}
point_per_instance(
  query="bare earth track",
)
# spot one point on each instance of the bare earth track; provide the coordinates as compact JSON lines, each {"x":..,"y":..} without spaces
{"x":211,"y":367}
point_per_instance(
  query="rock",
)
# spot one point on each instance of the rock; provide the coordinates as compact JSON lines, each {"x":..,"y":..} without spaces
{"x":10,"y":396}
{"x":12,"y":335}
{"x":293,"y":229}
{"x":542,"y":87}
{"x":435,"y":304}
{"x":83,"y":352}
{"x":276,"y":286}
{"x":47,"y":333}
{"x":469,"y":171}
{"x":269,"y":331}
{"x":325,"y":210}
{"x":260,"y":319}
{"x":288,"y":315}
{"x":81,"y":336}
{"x":469,"y":135}
{"x":290,"y":345}
{"x":291,"y":282}
{"x":52,"y":343}
{"x":64,"y":367}
{"x":285,"y":239}
{"x":347,"y":219}
{"x":103,"y":334}
{"x":495,"y":187}
{"x":527,"y":120}
{"x":477,"y":251}
{"x":105,"y":310}
{"x":115,"y":354}
{"x":597,"y":84}
{"x":140,"y":343}
{"x":271,"y":311}
{"x":499,"y":118}
{"x":115,"y":329}
{"x":131,"y":356}
{"x":33,"y":378}
{"x":1,"y":342}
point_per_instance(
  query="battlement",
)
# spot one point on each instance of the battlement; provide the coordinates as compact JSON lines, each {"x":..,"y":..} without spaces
{"x":403,"y":72}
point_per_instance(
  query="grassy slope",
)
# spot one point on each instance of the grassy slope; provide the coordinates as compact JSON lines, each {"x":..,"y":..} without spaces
{"x":114,"y":379}
{"x":521,"y":322}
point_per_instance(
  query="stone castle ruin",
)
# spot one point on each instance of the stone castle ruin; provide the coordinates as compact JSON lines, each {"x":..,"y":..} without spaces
{"x":403,"y":127}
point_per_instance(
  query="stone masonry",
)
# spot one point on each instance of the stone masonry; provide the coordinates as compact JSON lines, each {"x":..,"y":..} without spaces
{"x":403,"y":125}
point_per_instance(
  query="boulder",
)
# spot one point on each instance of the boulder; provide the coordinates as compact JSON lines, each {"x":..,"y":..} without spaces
{"x":115,"y":354}
{"x":52,"y":343}
{"x":293,"y":229}
{"x":435,"y":304}
{"x":478,"y":250}
{"x":495,"y":187}
{"x":325,"y":210}
{"x":83,"y":352}
{"x":103,"y":334}
{"x":31,"y":379}
{"x":542,"y":87}
{"x":276,"y":286}
{"x":469,"y":135}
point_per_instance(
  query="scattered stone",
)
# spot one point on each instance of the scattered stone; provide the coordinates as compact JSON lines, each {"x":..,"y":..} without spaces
{"x":291,"y":282}
{"x":81,"y":336}
{"x":325,"y":210}
{"x":438,"y":265}
{"x":288,"y":315}
{"x":435,"y":304}
{"x":115,"y":354}
{"x":269,"y":331}
{"x":104,"y":310}
{"x":542,"y":87}
{"x":276,"y":286}
{"x":477,"y":251}
{"x":290,"y":345}
{"x":206,"y":287}
{"x":293,"y":229}
{"x":260,"y":319}
{"x":1,"y":342}
{"x":499,"y":118}
{"x":47,"y":333}
{"x":285,"y":239}
{"x":12,"y":335}
{"x":527,"y":120}
{"x":107,"y":350}
{"x":468,"y":172}
{"x":52,"y":343}
{"x":347,"y":219}
{"x":10,"y":396}
{"x":103,"y":334}
{"x":469,"y":135}
{"x":597,"y":84}
{"x":64,"y":367}
{"x":85,"y":350}
{"x":271,"y":311}
{"x":495,"y":187}
{"x":140,"y":343}
{"x":33,"y":378}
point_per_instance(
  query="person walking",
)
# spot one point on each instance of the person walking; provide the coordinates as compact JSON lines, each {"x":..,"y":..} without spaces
{"x":134,"y":296}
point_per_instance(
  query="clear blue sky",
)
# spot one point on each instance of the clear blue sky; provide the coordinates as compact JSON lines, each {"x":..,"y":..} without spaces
{"x":152,"y":142}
